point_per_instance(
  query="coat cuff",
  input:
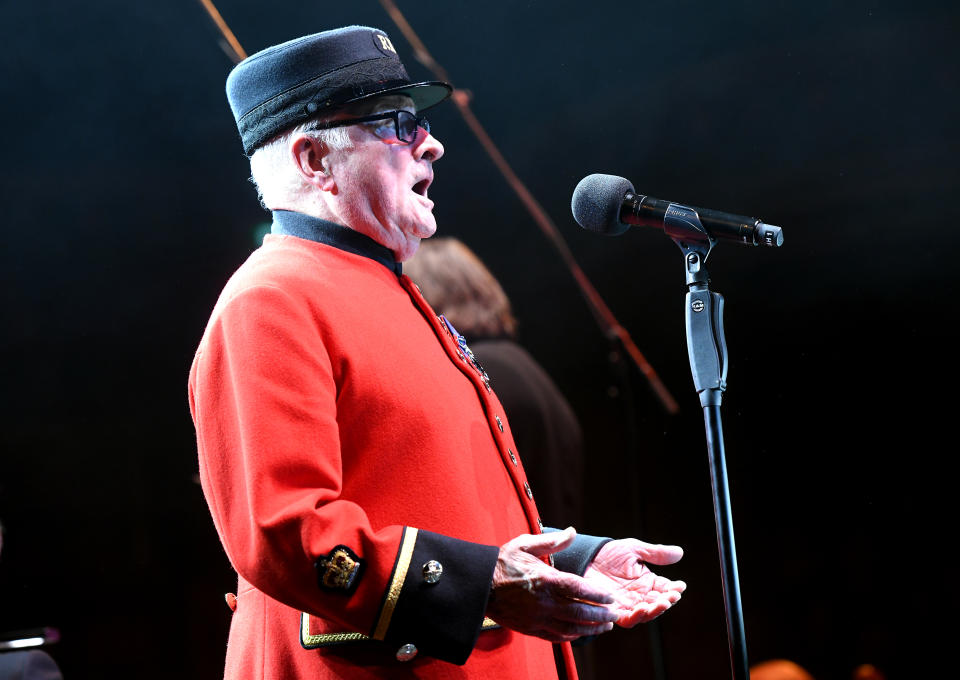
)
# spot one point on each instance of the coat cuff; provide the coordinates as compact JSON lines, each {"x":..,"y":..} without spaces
{"x":576,"y":558}
{"x":438,"y":595}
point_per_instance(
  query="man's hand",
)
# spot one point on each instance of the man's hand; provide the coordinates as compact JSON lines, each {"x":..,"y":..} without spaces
{"x":531,"y":597}
{"x":639,"y":594}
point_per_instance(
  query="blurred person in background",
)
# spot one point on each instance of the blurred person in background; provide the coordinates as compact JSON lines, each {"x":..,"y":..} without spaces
{"x":778,"y":669}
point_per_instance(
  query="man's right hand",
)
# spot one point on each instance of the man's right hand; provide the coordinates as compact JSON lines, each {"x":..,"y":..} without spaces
{"x":531,"y":597}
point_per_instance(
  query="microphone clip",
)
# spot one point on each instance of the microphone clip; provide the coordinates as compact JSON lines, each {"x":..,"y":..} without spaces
{"x":682,"y":224}
{"x":706,"y":345}
{"x":706,"y":342}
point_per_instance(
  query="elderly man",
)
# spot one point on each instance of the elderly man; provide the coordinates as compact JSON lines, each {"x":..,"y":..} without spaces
{"x":356,"y":461}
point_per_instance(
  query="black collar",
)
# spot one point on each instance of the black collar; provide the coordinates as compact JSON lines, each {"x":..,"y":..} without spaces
{"x":290,"y":223}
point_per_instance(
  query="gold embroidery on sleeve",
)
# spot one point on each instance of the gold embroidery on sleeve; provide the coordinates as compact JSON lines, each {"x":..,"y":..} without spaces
{"x":399,"y":574}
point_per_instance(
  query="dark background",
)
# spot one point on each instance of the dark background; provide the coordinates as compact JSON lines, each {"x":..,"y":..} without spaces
{"x":127,"y":207}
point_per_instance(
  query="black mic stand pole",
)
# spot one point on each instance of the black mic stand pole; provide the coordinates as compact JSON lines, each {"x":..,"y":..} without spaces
{"x":707,"y":350}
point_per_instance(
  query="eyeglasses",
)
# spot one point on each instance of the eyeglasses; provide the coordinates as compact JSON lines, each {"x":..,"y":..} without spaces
{"x":405,"y":124}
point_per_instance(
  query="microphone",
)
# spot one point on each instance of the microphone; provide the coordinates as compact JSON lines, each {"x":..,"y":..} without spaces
{"x":609,"y":205}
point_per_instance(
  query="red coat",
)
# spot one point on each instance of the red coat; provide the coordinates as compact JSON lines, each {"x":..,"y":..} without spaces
{"x":345,"y":442}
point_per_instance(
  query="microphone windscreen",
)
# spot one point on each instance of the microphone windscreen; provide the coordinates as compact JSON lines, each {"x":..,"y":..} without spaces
{"x":596,"y":203}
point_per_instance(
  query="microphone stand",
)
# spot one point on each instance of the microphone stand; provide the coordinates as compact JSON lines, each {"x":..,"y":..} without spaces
{"x":707,"y":350}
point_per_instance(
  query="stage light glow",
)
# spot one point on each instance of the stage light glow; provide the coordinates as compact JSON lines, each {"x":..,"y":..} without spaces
{"x":259,"y":232}
{"x":21,"y":643}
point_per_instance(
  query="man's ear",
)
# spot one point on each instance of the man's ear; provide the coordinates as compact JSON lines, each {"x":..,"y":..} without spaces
{"x":310,"y":156}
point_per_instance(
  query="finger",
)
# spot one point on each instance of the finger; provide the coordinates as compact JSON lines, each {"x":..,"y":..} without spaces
{"x":643,"y":612}
{"x":670,"y":587}
{"x":663,"y":603}
{"x":668,"y":596}
{"x":639,"y":615}
{"x":578,"y":612}
{"x":547,"y":544}
{"x":678,"y":586}
{"x":655,"y":553}
{"x":662,"y":584}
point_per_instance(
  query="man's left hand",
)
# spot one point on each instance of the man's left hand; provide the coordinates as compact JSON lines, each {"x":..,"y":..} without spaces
{"x":640,"y":595}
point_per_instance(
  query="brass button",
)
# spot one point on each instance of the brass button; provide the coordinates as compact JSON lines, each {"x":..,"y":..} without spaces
{"x":499,"y":423}
{"x":513,"y":458}
{"x":526,"y":487}
{"x":432,"y":571}
{"x":406,"y":653}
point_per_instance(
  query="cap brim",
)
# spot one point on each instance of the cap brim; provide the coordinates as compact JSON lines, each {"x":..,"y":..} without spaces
{"x":424,"y":95}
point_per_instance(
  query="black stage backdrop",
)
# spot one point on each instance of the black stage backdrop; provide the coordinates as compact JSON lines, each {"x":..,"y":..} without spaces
{"x":127,"y":208}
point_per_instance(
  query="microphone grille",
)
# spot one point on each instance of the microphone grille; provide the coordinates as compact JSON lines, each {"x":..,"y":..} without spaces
{"x":596,"y":203}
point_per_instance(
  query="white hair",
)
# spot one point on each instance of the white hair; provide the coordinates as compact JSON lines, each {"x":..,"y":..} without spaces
{"x":274,"y":174}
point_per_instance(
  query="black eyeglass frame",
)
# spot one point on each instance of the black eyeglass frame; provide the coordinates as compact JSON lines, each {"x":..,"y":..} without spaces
{"x":421,"y":122}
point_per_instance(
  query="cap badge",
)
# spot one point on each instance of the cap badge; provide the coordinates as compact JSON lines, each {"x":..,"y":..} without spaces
{"x":385,"y":43}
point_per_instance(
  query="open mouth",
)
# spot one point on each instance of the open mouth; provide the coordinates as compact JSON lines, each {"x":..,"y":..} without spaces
{"x":421,"y":187}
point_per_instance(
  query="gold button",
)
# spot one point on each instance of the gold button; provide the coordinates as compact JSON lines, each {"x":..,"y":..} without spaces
{"x":432,"y":571}
{"x":406,"y":653}
{"x":526,"y":487}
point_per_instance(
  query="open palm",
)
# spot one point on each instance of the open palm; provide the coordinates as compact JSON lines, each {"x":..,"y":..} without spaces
{"x":640,"y":595}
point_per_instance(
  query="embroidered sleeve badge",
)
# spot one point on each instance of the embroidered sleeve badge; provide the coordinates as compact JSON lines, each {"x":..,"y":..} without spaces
{"x":339,"y":570}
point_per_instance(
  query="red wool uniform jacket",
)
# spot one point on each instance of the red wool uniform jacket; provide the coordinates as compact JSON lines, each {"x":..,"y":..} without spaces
{"x":358,"y":468}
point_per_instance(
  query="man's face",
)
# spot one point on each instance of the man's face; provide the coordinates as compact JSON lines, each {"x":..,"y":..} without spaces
{"x":381,"y":182}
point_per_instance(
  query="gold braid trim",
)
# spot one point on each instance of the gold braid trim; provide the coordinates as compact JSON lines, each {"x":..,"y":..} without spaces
{"x":399,"y":574}
{"x":325,"y":639}
{"x":309,"y":641}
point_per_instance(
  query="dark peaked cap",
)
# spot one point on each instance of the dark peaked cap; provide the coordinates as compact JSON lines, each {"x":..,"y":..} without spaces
{"x":285,"y":85}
